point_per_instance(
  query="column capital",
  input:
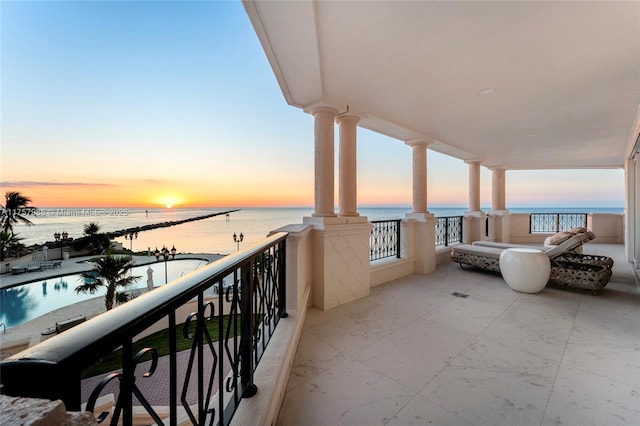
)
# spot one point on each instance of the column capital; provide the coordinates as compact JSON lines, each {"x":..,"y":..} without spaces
{"x":347,"y":118}
{"x":320,"y":108}
{"x":496,"y":168}
{"x":418,"y":142}
{"x":473,"y":161}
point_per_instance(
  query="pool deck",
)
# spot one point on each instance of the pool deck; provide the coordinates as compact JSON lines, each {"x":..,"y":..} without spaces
{"x":81,"y":264}
{"x":15,"y":339}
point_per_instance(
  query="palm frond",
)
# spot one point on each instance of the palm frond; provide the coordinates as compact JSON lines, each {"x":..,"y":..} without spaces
{"x":15,"y":206}
{"x":110,"y":272}
{"x":90,"y":284}
{"x":121,"y":297}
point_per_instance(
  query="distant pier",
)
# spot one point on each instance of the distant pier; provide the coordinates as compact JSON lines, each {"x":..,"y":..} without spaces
{"x":137,"y":229}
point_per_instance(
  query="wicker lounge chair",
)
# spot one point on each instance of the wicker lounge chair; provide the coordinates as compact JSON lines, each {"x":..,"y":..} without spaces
{"x":568,"y":268}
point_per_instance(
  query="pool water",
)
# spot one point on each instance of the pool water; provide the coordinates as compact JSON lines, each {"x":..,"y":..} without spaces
{"x":25,"y":302}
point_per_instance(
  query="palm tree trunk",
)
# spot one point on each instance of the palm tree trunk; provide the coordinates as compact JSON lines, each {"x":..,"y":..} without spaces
{"x":109,"y":295}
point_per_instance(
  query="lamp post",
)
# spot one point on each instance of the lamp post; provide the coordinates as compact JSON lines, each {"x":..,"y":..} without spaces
{"x":238,"y":239}
{"x":131,"y":235}
{"x":165,"y":253}
{"x":61,"y":238}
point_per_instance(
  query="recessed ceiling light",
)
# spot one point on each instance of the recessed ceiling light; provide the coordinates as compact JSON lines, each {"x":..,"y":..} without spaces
{"x":486,"y":91}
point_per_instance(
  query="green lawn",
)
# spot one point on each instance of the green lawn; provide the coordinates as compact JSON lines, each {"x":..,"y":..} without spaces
{"x":159,"y":341}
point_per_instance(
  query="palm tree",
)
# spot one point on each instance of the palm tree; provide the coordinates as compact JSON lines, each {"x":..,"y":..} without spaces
{"x":91,"y":229}
{"x":15,"y":206}
{"x":10,"y":242}
{"x":93,"y":239}
{"x":111,"y":272}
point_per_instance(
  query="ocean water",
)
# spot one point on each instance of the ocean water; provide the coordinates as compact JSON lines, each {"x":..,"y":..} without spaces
{"x":213,"y":235}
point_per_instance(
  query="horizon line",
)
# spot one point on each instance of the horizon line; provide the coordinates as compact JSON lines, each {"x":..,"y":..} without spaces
{"x":396,"y":206}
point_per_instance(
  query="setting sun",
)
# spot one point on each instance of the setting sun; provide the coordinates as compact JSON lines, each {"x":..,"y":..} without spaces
{"x":169,"y":201}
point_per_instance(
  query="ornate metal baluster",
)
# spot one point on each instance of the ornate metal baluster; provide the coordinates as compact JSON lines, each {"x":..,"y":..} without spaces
{"x":199,"y":338}
{"x":122,"y":401}
{"x":230,"y":335}
{"x":384,"y":239}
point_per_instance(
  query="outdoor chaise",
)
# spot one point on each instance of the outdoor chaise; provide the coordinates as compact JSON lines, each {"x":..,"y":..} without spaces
{"x":64,"y":325}
{"x":568,"y":268}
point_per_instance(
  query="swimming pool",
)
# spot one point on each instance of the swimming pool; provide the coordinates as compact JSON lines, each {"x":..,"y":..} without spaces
{"x":25,"y":302}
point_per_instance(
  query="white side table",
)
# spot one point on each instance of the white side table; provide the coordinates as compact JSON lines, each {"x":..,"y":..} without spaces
{"x":525,"y":270}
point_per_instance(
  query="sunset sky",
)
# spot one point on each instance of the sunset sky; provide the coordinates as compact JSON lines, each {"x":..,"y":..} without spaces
{"x":136,"y":104}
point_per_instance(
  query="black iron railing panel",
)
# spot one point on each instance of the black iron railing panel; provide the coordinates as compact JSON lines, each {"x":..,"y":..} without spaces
{"x":544,"y":223}
{"x":384,"y":239}
{"x":448,"y":230}
{"x":217,"y":323}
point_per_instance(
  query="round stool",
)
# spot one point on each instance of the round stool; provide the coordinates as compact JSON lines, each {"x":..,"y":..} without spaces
{"x":525,"y":270}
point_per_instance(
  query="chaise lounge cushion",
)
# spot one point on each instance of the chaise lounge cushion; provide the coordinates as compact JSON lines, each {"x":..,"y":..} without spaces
{"x":493,"y":252}
{"x":577,"y":230}
{"x":570,"y":244}
{"x":495,"y":244}
{"x":558,"y":238}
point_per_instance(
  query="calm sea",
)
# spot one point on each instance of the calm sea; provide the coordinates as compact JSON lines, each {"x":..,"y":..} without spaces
{"x":213,"y":235}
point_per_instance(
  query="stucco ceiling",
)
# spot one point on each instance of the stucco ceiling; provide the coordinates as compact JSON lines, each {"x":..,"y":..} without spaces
{"x":566,"y":74}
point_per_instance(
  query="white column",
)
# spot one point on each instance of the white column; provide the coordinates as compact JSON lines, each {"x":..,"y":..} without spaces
{"x":474,"y":221}
{"x":499,"y":225}
{"x":474,"y":186}
{"x":420,"y":223}
{"x":324,"y":161}
{"x":347,"y":181}
{"x":419,"y":167}
{"x":498,"y":189}
{"x":339,"y":251}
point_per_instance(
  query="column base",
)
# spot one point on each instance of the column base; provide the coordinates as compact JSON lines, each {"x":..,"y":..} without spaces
{"x":500,"y":225}
{"x":323,"y":215}
{"x":320,"y":221}
{"x":474,"y":226}
{"x":419,"y":215}
{"x":421,"y":241}
{"x":474,"y":213}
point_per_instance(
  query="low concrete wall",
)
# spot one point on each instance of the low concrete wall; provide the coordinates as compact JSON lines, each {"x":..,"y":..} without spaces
{"x":608,"y":227}
{"x":519,"y":230}
{"x":385,"y":270}
{"x":443,"y":255}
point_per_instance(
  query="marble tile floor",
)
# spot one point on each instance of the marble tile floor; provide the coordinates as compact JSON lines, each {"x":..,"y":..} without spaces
{"x":413,"y":354}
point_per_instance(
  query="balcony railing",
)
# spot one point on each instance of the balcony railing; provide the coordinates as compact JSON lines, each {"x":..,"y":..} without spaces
{"x":384,"y":239}
{"x":448,"y":230}
{"x":201,"y":385}
{"x":541,"y":223}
